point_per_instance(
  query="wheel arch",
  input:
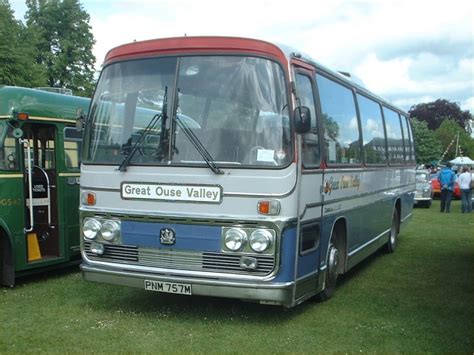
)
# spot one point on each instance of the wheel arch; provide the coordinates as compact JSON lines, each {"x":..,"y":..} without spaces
{"x":398,"y":208}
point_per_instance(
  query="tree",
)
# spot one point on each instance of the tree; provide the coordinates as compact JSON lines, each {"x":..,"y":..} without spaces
{"x":65,"y":43}
{"x":17,"y":52}
{"x":447,"y":135}
{"x":427,"y":146}
{"x":434,"y":113}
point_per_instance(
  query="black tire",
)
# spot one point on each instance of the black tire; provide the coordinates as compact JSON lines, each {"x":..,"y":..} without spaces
{"x":394,"y":229}
{"x":332,"y":266}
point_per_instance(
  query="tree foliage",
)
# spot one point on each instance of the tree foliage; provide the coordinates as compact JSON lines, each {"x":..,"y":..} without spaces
{"x":447,"y":135}
{"x":434,"y":113}
{"x":64,"y":41}
{"x":427,"y":146}
{"x":17,"y":52}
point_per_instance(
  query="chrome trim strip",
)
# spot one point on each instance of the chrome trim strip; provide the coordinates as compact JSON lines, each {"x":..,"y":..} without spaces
{"x":406,"y":217}
{"x":345,"y":199}
{"x":177,"y":217}
{"x":64,"y":120}
{"x":364,"y":194}
{"x":307,"y":276}
{"x":368,"y":243}
{"x":243,"y":194}
{"x":10,"y":176}
{"x":99,"y":188}
{"x":69,"y":174}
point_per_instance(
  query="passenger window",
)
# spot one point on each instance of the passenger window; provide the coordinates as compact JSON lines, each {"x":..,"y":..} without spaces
{"x":8,"y":153}
{"x":341,"y":126}
{"x":72,"y":148}
{"x":310,"y":151}
{"x":373,"y":134}
{"x":410,"y":153}
{"x":396,"y":153}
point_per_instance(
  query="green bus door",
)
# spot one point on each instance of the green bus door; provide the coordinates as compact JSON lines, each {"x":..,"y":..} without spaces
{"x":40,"y":191}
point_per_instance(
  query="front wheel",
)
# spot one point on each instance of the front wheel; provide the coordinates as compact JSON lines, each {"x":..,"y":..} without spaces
{"x":393,"y":237}
{"x":332,"y":270}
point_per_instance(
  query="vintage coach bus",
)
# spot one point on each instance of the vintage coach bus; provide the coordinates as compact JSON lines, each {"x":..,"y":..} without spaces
{"x":39,"y":181}
{"x":237,"y":168}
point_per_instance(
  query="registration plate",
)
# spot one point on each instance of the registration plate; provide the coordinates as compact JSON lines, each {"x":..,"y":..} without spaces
{"x":169,"y":287}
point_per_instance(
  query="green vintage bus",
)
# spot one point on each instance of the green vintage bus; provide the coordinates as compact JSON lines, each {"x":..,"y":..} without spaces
{"x":39,"y":181}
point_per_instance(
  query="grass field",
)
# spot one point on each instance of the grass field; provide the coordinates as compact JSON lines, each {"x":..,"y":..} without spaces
{"x":419,"y":299}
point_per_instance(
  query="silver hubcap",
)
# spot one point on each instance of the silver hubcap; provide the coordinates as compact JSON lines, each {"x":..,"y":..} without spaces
{"x":393,"y":232}
{"x":333,"y":262}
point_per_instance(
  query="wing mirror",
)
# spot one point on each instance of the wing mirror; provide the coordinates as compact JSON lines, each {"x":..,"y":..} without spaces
{"x":302,"y":119}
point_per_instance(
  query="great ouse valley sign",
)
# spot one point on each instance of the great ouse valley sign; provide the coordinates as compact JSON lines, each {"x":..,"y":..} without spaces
{"x":171,"y":192}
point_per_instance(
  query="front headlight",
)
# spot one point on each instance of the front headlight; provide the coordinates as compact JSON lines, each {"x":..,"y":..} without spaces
{"x":90,"y":228}
{"x":235,"y":239}
{"x":110,"y":230}
{"x":260,"y":240}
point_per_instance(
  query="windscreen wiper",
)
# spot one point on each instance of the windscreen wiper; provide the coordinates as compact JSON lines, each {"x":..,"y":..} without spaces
{"x":151,"y":125}
{"x":138,"y":143}
{"x":199,"y":147}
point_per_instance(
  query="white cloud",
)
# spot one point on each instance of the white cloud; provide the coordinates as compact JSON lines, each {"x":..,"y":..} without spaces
{"x":468,"y":104}
{"x":374,"y":128}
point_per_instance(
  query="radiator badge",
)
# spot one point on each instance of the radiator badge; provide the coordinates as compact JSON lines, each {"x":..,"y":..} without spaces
{"x":167,"y":236}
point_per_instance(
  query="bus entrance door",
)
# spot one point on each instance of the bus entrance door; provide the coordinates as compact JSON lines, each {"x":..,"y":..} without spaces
{"x":41,"y":215}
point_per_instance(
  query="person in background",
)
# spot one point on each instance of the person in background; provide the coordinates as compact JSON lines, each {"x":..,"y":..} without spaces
{"x":446,"y":178}
{"x":466,"y":192}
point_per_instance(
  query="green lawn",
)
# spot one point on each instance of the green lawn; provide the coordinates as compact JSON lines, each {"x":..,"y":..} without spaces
{"x":419,"y":299}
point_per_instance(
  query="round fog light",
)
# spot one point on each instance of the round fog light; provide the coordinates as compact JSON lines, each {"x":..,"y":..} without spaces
{"x":97,"y":248}
{"x":260,"y":240}
{"x":249,"y":263}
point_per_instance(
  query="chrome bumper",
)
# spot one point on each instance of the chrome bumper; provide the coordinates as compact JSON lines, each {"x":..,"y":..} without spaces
{"x":266,"y":293}
{"x":421,"y":199}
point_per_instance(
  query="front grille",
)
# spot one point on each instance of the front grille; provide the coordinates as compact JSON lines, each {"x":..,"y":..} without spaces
{"x":181,"y":260}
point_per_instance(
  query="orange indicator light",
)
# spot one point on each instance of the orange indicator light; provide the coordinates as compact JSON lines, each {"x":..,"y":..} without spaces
{"x":268,"y":207}
{"x":88,"y":198}
{"x":22,"y":116}
{"x":264,"y":207}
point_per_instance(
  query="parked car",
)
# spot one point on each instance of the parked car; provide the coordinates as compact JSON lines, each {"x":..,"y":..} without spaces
{"x":424,"y":189}
{"x":437,"y":188}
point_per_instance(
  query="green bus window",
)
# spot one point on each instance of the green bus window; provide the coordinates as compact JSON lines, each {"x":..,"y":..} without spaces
{"x":72,"y":148}
{"x":8,"y":152}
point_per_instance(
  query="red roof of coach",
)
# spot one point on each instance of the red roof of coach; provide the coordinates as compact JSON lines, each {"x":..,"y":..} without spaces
{"x":200,"y":45}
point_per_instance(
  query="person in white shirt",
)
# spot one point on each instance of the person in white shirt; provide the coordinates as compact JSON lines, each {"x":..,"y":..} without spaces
{"x":466,"y":191}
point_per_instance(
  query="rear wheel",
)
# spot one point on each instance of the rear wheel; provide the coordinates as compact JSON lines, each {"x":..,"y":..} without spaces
{"x":393,"y":237}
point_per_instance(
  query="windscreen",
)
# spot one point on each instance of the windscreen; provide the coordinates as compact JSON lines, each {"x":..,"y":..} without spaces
{"x":235,"y":107}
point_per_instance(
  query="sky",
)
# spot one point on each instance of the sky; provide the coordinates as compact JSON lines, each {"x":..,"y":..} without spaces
{"x":408,"y":52}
